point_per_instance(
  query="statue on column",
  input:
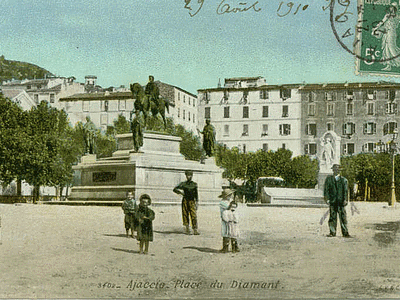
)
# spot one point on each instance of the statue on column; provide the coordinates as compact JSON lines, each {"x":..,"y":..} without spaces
{"x":208,"y":138}
{"x":89,"y":134}
{"x":329,"y":153}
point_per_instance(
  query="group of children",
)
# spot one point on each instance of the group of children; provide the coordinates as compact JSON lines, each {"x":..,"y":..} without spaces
{"x":140,"y":218}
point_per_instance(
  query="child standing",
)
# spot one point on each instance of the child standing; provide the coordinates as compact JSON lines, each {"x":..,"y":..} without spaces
{"x":145,"y":217}
{"x":226,"y":196}
{"x":129,"y":208}
{"x":231,"y":218}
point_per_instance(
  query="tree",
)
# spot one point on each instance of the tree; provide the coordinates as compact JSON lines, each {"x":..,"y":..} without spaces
{"x":122,"y":125}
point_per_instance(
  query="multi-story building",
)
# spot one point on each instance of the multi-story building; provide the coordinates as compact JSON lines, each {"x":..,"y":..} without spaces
{"x":49,"y":89}
{"x":251,"y":115}
{"x":363,"y":114}
{"x":104,"y":107}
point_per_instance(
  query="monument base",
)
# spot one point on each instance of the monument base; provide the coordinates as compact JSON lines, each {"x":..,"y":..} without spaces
{"x":155,"y":170}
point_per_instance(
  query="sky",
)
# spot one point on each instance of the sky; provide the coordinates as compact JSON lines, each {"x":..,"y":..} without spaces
{"x":125,"y":41}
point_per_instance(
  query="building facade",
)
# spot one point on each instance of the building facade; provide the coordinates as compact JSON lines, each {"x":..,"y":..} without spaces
{"x":48,"y":89}
{"x":251,"y":115}
{"x":364,"y":115}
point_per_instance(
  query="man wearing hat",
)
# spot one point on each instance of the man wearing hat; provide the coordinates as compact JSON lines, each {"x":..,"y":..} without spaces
{"x":190,"y":200}
{"x":336,"y":193}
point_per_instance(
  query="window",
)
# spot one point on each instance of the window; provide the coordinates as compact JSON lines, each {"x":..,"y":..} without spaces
{"x":330,"y":126}
{"x":312,"y":96}
{"x":389,"y":128}
{"x":311,"y":109}
{"x":391,"y":108}
{"x":226,"y":95}
{"x":349,"y":95}
{"x":122,"y":105}
{"x":179,"y":96}
{"x":369,"y":147}
{"x":245,"y":130}
{"x":85,"y":105}
{"x":226,"y":130}
{"x":226,"y":112}
{"x":104,"y":119}
{"x":349,"y":128}
{"x":349,"y":108}
{"x":284,"y":129}
{"x":264,"y":94}
{"x":179,"y":112}
{"x":264,"y":130}
{"x":310,"y":149}
{"x":207,"y":112}
{"x":52,"y":98}
{"x":28,"y":87}
{"x":370,"y":108}
{"x":330,"y":109}
{"x":244,"y":148}
{"x":183,"y":114}
{"x":329,"y":96}
{"x":245,"y":95}
{"x":189,"y":100}
{"x":265,"y":147}
{"x":369,"y":128}
{"x":371,"y":95}
{"x":194,"y":102}
{"x":105,"y":105}
{"x":311,"y":129}
{"x":184,"y":98}
{"x":265,"y":112}
{"x":285,"y":93}
{"x":245,"y":111}
{"x":206,"y":97}
{"x":348,"y":148}
{"x":188,"y":115}
{"x":285,"y":111}
{"x":36,"y":98}
{"x":283,"y":146}
{"x":194,"y":116}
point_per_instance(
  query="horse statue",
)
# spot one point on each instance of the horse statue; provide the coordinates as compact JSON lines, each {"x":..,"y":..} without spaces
{"x":146,"y":103}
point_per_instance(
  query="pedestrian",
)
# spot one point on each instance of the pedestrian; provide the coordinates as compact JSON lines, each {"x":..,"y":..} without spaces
{"x":230,"y":217}
{"x":226,"y":198}
{"x":336,"y":195}
{"x":145,"y":217}
{"x":190,"y":202}
{"x":129,"y":208}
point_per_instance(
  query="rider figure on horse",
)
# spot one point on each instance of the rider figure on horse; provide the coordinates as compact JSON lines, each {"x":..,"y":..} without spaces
{"x":152,"y":91}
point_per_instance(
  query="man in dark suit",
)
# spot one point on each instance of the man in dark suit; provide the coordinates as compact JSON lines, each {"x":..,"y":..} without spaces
{"x":336,"y":193}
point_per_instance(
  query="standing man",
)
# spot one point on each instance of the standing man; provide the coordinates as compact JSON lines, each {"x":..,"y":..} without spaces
{"x":336,"y":193}
{"x":190,"y":200}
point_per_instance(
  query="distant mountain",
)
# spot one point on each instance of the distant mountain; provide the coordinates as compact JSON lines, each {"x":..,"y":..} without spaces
{"x":11,"y":69}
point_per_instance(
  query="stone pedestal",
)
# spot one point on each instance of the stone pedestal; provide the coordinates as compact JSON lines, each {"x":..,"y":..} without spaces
{"x":155,"y":170}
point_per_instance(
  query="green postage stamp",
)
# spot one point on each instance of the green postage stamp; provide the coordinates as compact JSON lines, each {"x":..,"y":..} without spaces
{"x":377,"y":45}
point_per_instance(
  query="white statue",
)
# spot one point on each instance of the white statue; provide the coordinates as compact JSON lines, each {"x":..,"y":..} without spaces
{"x":328,"y":152}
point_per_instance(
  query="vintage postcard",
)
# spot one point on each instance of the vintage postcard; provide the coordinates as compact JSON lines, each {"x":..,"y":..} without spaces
{"x":199,"y":149}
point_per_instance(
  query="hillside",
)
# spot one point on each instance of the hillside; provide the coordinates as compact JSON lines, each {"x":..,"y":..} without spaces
{"x":10,"y":69}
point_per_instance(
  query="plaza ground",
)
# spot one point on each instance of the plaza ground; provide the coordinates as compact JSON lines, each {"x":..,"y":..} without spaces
{"x":82,"y":252}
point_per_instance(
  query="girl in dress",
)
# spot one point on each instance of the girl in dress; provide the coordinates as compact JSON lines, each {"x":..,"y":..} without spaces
{"x":145,"y":217}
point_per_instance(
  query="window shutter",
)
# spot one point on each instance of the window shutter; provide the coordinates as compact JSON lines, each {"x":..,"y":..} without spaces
{"x":385,"y":129}
{"x":374,"y":128}
{"x":307,"y":129}
{"x":365,"y":128}
{"x":344,"y":129}
{"x":353,"y":128}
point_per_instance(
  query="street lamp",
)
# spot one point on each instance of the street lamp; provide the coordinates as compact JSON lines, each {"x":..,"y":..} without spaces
{"x":393,"y":146}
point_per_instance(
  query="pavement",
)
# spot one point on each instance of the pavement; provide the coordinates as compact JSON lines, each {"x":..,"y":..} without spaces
{"x":61,"y":251}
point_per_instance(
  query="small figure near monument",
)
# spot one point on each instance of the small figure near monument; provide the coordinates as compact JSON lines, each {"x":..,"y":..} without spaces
{"x":226,"y":199}
{"x":89,"y":134}
{"x":328,"y":152}
{"x":190,"y":201}
{"x":129,"y":208}
{"x":230,"y":217}
{"x":208,"y":138}
{"x":137,"y":131}
{"x":145,"y":217}
{"x":336,"y":195}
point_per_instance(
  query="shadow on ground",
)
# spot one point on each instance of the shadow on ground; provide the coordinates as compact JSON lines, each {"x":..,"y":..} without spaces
{"x":387,"y":233}
{"x":117,"y":235}
{"x":175,"y":231}
{"x":202,"y":249}
{"x":126,"y":250}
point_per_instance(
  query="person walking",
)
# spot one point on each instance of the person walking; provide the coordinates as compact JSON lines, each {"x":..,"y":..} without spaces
{"x":335,"y":194}
{"x":145,"y":217}
{"x":190,"y":201}
{"x":129,"y":208}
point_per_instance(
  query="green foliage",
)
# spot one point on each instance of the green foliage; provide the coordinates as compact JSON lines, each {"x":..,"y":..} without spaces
{"x":10,"y":69}
{"x":122,"y":125}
